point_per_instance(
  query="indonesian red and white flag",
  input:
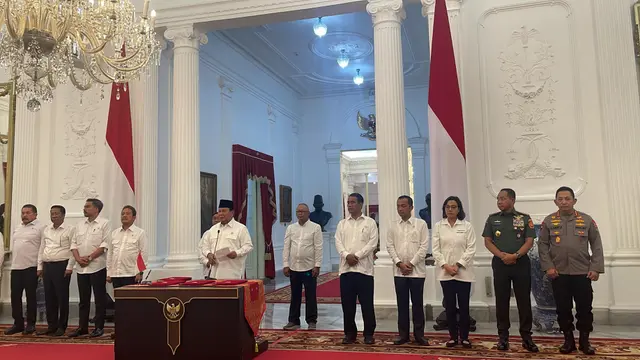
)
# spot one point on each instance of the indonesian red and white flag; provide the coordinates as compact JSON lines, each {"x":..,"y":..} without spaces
{"x":446,"y":125}
{"x":119,"y":172}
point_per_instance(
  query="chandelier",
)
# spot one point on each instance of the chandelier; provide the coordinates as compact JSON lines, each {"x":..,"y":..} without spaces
{"x":44,"y":43}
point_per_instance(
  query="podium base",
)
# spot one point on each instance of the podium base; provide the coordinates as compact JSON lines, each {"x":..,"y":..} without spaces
{"x":261,"y":346}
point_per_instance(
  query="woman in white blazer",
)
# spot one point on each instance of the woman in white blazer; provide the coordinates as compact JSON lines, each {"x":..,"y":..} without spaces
{"x":454,"y":246}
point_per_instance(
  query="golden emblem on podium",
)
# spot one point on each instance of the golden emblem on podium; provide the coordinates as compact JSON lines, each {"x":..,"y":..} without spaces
{"x":173,"y":310}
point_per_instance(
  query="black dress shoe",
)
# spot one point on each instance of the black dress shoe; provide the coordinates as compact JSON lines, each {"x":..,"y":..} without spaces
{"x":503,"y":345}
{"x":422,"y":341}
{"x":78,"y":332}
{"x":59,"y":332}
{"x":529,"y":345}
{"x":369,"y":340}
{"x":96,"y":333}
{"x":585,"y":345}
{"x":569,"y":345}
{"x":452,"y":343}
{"x":348,"y":340}
{"x":30,"y":329}
{"x":47,"y":332}
{"x":400,"y":341}
{"x":13,"y":330}
{"x":466,"y":344}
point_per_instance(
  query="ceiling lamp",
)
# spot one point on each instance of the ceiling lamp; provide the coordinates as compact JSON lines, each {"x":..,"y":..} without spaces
{"x":343,"y":59}
{"x":358,"y":79}
{"x":320,"y":29}
{"x":47,"y":42}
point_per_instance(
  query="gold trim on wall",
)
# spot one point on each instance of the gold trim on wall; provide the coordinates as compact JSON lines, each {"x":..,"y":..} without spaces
{"x":8,"y":89}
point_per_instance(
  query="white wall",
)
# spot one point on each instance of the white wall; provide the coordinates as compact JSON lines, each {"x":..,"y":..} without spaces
{"x":333,"y":120}
{"x":263,"y":115}
{"x":564,"y":116}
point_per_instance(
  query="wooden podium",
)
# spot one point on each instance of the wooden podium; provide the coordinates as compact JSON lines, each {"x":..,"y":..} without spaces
{"x":183,"y":323}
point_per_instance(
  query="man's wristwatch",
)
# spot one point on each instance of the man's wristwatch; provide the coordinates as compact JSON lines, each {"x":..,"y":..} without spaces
{"x":518,"y":255}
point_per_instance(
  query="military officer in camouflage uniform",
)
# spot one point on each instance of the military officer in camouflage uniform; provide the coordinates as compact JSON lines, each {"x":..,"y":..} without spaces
{"x":509,"y":234}
{"x":565,"y":238}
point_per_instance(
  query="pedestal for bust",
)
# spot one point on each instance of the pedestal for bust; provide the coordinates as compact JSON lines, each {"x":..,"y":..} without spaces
{"x":328,"y":247}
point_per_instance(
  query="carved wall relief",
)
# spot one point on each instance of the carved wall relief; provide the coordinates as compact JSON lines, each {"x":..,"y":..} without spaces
{"x":80,"y":146}
{"x":529,"y":101}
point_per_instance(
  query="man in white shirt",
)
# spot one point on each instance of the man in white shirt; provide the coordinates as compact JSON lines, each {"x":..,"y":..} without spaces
{"x":407,"y":244}
{"x":89,"y":243}
{"x":356,"y":241}
{"x":206,"y":269}
{"x":302,"y":258}
{"x":226,"y":245}
{"x":26,"y":240}
{"x":125,"y":244}
{"x":55,"y":265}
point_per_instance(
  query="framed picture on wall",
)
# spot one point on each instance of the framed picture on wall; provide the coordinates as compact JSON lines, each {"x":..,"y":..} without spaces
{"x":208,"y":200}
{"x":286,"y":207}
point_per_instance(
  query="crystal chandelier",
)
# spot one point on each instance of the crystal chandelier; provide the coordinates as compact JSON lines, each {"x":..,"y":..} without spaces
{"x":358,"y":79}
{"x":44,"y":43}
{"x":320,"y":29}
{"x":343,"y":59}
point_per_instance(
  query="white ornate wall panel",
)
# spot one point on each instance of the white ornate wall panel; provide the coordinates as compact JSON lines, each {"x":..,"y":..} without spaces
{"x":72,"y":157}
{"x":532,"y":106}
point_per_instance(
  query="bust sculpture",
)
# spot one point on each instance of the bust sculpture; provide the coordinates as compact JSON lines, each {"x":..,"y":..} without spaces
{"x":320,"y":216}
{"x":425,"y":214}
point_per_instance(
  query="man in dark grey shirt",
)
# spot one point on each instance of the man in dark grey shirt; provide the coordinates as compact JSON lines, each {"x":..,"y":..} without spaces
{"x":565,"y":238}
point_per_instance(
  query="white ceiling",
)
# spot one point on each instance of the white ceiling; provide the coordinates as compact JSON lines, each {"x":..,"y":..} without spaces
{"x":308,"y":64}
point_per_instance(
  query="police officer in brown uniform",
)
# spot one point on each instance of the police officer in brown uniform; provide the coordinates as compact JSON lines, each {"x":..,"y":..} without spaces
{"x":509,"y":234}
{"x":565,"y":238}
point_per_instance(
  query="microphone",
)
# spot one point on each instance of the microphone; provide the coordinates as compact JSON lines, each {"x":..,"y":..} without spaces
{"x":146,"y":277}
{"x":208,"y":277}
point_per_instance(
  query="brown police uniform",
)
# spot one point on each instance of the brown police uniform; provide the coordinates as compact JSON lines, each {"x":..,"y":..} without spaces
{"x":564,"y":245}
{"x":509,"y":231}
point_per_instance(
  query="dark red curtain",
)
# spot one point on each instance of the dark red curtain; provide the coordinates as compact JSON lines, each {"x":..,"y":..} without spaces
{"x":248,"y":165}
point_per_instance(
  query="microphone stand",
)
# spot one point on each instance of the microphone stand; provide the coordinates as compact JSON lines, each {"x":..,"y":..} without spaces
{"x":208,"y":277}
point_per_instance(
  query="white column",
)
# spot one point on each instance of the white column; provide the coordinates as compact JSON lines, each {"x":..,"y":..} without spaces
{"x":25,"y":163}
{"x":620,"y":111}
{"x":224,"y":139}
{"x":453,"y":8}
{"x":391,"y":141}
{"x":333,"y":200}
{"x":421,"y":180}
{"x":147,"y":139}
{"x":184,"y":201}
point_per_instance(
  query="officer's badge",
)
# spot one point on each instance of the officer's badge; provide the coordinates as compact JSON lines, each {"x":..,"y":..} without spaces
{"x":498,"y":233}
{"x":518,"y":221}
{"x":557,"y":239}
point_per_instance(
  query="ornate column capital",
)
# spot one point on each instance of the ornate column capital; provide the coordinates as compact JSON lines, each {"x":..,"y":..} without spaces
{"x":429,"y":6}
{"x":226,"y":88}
{"x":419,"y":146}
{"x":386,"y":10}
{"x":185,"y":36}
{"x":332,"y":152}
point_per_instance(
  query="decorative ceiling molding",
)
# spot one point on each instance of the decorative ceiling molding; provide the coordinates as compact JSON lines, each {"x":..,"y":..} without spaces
{"x":356,"y":46}
{"x":237,"y":79}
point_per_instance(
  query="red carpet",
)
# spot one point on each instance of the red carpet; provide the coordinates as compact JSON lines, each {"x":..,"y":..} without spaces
{"x":28,"y":351}
{"x":328,"y":291}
